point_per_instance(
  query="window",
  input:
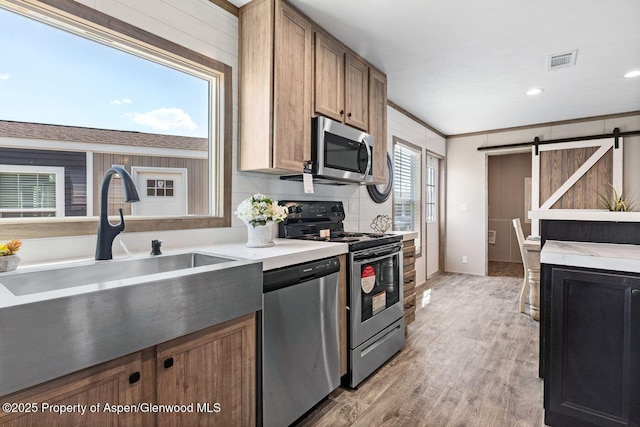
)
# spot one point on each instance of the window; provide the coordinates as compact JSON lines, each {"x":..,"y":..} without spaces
{"x":431,"y":187}
{"x":31,"y":192}
{"x":76,"y":87}
{"x":160,"y":188}
{"x":407,"y":163}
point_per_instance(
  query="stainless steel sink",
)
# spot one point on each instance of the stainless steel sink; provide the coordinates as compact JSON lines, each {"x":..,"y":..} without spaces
{"x":27,"y":283}
{"x":58,"y":320}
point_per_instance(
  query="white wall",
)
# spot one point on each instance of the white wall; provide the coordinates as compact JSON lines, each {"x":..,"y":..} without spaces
{"x":466,"y":230}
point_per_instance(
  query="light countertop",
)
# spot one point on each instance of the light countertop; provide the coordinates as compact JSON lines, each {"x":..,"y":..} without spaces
{"x":286,"y":252}
{"x":406,"y":235}
{"x":606,"y":256}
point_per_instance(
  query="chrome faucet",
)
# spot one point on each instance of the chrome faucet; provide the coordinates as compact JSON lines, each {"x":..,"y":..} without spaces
{"x":107,"y":231}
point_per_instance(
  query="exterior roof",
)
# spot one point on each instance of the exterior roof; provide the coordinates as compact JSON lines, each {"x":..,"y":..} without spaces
{"x":99,"y":136}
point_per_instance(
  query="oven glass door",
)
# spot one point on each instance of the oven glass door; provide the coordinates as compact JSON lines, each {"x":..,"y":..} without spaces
{"x":375,"y":295}
{"x":379,"y":286}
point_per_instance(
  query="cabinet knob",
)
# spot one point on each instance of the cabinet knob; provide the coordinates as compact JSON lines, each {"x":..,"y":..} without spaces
{"x":341,"y":113}
{"x":168,"y":363}
{"x":134,"y":378}
{"x":349,"y":115}
{"x":635,"y":292}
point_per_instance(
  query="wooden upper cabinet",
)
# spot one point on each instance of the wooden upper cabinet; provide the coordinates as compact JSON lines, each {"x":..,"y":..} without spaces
{"x":275,"y":69}
{"x":341,"y":84}
{"x":292,"y":89}
{"x":356,"y":92}
{"x":329,"y":81}
{"x":282,"y":87}
{"x":378,"y":123}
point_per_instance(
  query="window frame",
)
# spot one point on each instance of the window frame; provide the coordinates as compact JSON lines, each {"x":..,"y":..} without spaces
{"x":51,"y":170}
{"x":434,"y":185}
{"x":76,"y":14}
{"x":420,"y":221}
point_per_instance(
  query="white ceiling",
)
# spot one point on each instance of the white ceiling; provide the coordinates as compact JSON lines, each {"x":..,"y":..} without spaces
{"x":465,"y":65}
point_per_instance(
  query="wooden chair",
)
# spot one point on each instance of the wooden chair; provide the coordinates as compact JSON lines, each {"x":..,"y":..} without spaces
{"x":523,"y":253}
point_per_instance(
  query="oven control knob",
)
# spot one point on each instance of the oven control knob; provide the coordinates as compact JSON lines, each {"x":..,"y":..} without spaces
{"x":291,"y":209}
{"x":298,"y":209}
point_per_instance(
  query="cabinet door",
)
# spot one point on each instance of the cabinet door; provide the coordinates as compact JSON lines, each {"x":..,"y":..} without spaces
{"x":356,"y":92}
{"x":255,"y":88}
{"x":119,"y":382}
{"x":378,"y":123}
{"x":592,"y":377}
{"x":214,"y":371}
{"x":329,"y":78}
{"x":292,"y":90}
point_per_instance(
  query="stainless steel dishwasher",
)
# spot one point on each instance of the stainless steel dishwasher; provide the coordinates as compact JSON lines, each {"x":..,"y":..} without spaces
{"x":300,"y":340}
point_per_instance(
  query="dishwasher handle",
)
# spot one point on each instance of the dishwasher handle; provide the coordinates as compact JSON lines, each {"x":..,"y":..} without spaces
{"x":292,"y":275}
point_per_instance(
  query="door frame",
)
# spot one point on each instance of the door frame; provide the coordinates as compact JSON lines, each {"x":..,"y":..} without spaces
{"x":441,"y":210}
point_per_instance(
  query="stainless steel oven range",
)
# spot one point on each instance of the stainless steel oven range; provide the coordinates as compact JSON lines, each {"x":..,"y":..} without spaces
{"x":374,"y":295}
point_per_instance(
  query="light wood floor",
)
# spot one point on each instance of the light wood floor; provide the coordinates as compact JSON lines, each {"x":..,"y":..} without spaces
{"x":470,"y":360}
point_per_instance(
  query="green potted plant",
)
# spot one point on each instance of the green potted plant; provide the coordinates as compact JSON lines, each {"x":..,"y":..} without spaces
{"x":616,"y":202}
{"x":8,"y":259}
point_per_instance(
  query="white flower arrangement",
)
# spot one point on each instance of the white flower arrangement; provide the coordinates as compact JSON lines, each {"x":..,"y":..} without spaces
{"x":260,"y":210}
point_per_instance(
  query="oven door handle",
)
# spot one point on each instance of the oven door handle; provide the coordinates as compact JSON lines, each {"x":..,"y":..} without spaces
{"x":376,"y":253}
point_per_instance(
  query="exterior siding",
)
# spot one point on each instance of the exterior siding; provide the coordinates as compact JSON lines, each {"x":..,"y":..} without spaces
{"x":75,"y":172}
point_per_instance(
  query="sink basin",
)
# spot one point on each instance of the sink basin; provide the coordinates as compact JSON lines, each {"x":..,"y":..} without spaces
{"x":61,"y":319}
{"x":27,"y":283}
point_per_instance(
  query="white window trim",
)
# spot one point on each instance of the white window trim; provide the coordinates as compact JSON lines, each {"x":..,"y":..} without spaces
{"x":57,"y":171}
{"x":419,"y":203}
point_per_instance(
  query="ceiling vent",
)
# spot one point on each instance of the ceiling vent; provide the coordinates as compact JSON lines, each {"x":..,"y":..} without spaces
{"x":562,"y":60}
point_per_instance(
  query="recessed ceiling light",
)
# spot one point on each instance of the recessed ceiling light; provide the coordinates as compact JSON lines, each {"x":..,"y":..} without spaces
{"x":633,"y":73}
{"x":534,"y":91}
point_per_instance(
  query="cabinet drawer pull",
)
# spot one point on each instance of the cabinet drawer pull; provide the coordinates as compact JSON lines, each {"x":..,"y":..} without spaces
{"x":635,"y":292}
{"x":134,"y":378}
{"x":168,"y":363}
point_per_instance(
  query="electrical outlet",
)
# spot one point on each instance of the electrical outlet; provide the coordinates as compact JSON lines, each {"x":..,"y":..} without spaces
{"x":464,"y":259}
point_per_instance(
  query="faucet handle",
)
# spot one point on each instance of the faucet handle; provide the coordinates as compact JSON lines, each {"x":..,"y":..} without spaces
{"x":155,"y":247}
{"x":121,"y":225}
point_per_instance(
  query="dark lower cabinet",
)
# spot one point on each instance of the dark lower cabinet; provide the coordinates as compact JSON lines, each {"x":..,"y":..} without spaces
{"x":592,"y":347}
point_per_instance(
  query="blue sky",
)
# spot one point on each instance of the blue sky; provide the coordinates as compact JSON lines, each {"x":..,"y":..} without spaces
{"x":50,"y":76}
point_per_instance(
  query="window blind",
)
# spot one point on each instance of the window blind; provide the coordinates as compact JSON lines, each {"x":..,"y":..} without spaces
{"x":406,"y":188}
{"x":23,"y":192}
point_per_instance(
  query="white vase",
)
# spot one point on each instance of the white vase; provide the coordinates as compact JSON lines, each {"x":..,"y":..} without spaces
{"x":259,"y":236}
{"x":9,"y":262}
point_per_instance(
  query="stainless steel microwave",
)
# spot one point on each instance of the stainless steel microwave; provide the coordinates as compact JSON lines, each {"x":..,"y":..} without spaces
{"x":340,"y":152}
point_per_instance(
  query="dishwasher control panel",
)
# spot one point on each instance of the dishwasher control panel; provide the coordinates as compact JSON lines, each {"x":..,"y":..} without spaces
{"x":287,"y":276}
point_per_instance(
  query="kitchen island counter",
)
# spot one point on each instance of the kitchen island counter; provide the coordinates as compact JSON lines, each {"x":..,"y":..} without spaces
{"x":605,"y":256}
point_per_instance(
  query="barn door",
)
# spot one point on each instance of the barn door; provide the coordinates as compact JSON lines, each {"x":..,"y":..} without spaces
{"x":573,"y":175}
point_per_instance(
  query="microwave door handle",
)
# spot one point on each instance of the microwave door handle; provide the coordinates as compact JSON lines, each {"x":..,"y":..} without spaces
{"x":366,"y":144}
